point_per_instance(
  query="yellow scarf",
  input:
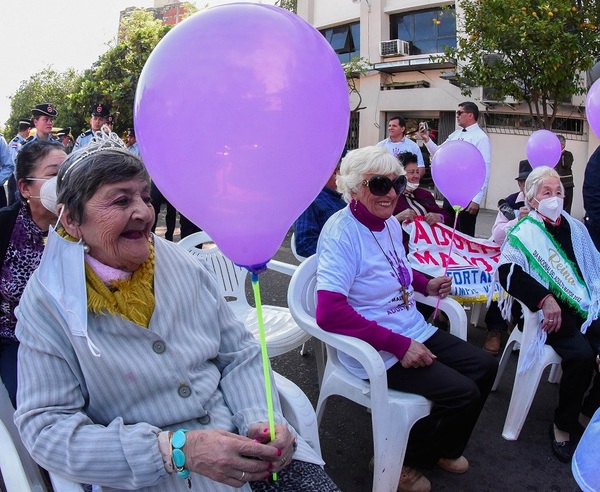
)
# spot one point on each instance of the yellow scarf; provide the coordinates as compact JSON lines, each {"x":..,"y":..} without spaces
{"x":132,"y":298}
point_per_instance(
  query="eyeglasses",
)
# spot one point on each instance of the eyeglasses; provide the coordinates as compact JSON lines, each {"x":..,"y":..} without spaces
{"x":381,"y":185}
{"x":459,"y":112}
{"x":38,"y":179}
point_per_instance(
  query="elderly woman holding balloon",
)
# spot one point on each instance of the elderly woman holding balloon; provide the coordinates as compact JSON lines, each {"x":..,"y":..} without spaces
{"x":561,"y":282}
{"x":365,"y":289}
{"x":142,"y":377}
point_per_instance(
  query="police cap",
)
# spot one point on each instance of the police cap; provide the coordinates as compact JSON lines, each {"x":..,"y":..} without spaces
{"x":99,"y":109}
{"x":47,"y":109}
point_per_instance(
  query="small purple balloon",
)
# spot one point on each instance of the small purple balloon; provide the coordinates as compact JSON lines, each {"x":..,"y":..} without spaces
{"x":592,"y":107}
{"x":264,"y":103}
{"x":543,"y":149}
{"x":458,"y":171}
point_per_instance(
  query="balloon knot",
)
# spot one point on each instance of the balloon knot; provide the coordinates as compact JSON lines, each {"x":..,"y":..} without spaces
{"x":255,"y":269}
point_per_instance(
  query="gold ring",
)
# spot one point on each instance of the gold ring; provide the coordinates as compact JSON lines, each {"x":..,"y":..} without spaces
{"x":241,"y":479}
{"x":283,"y":460}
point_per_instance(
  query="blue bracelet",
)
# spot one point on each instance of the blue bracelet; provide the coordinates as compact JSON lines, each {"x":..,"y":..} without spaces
{"x":177,"y":442}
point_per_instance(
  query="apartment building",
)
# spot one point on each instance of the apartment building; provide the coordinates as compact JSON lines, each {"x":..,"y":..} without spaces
{"x":398,"y":38}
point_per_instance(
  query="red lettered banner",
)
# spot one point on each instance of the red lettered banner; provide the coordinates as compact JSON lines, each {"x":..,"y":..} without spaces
{"x":471,"y":265}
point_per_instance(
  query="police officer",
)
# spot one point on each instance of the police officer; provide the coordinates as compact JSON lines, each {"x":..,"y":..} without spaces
{"x":64,"y":135}
{"x":110,"y":121}
{"x":99,"y":114}
{"x":43,"y":119}
{"x":14,"y":146}
{"x":7,"y":167}
{"x":131,"y":142}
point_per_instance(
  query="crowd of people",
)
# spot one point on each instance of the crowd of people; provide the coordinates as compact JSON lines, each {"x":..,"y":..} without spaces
{"x":127,"y":368}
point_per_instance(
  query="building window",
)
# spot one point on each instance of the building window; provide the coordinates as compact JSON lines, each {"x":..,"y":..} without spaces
{"x":345,"y":40}
{"x":428,"y":31}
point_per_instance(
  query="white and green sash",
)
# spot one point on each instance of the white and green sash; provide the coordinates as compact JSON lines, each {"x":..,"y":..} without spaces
{"x":548,"y":259}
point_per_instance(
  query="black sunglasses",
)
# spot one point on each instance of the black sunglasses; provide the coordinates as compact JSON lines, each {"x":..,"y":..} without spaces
{"x":381,"y":185}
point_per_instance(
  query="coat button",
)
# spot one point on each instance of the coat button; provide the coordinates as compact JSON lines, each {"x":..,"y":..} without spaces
{"x":204,"y":420}
{"x":184,"y":391}
{"x":159,"y":346}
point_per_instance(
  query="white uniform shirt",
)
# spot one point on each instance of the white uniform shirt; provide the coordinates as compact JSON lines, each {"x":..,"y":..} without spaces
{"x":405,"y":145}
{"x":476,"y":136}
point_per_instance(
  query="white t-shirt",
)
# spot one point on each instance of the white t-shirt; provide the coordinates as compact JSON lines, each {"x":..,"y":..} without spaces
{"x":405,"y":145}
{"x":351,"y":263}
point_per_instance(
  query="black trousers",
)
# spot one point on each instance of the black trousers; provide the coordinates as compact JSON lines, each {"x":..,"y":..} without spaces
{"x":157,"y":200}
{"x":579,"y":366}
{"x":466,"y":221}
{"x":458,"y":382}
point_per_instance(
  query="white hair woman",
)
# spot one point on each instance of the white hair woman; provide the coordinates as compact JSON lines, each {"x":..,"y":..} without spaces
{"x":142,"y":378}
{"x":365,"y":289}
{"x":561,"y":282}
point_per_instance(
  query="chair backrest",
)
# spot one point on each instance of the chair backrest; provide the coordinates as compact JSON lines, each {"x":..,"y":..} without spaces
{"x":230,"y":277}
{"x":293,"y":247}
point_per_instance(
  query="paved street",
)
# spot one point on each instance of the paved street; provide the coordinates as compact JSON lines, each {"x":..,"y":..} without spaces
{"x":496,"y":464}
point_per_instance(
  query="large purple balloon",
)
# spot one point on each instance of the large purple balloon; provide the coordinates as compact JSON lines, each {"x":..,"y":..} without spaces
{"x":543,"y":149}
{"x":241,"y":113}
{"x":592,"y":107}
{"x":458,"y":171}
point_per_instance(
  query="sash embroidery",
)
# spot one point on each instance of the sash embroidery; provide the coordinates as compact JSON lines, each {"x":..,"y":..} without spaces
{"x":548,"y":260}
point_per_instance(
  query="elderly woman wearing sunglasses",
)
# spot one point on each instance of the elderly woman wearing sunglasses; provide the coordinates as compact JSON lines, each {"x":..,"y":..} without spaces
{"x":365,"y":289}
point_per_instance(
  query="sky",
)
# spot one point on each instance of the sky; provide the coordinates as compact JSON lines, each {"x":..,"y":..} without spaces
{"x":60,"y":33}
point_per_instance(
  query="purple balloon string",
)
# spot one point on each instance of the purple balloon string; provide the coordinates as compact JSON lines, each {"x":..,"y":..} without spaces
{"x":456,"y":210}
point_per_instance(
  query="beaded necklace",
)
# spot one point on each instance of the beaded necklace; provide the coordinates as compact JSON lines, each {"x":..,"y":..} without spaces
{"x":400,"y":271}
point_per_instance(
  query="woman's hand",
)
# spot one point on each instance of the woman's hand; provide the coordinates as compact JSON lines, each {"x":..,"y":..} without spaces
{"x":523,"y":212}
{"x":552,"y":315}
{"x":439,"y":286}
{"x":407,"y":214}
{"x":229,"y":458}
{"x":417,"y":355}
{"x":283,"y":443}
{"x":473,"y":208}
{"x":432,"y":218}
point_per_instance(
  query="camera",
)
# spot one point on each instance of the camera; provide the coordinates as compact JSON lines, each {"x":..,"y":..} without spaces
{"x":423,"y":126}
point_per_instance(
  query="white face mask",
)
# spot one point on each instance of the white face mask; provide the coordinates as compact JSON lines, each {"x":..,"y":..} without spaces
{"x":48,"y":194}
{"x":412,"y":186}
{"x":550,"y":207}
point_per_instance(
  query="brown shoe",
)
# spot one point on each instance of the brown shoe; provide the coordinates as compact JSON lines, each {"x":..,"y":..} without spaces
{"x":493,"y":341}
{"x":412,"y":480}
{"x":458,"y":465}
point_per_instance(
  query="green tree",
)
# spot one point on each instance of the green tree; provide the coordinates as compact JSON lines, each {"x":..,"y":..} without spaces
{"x":47,"y":85}
{"x":113,"y":78}
{"x":291,"y":5}
{"x":530,"y":50}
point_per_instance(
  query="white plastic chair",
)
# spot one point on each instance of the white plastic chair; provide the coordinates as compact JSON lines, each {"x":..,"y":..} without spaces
{"x":22,"y":474}
{"x":282,"y":332}
{"x":293,"y":248}
{"x":526,"y":383}
{"x":393,"y":413}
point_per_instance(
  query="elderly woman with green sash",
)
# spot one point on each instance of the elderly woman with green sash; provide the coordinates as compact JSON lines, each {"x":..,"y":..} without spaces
{"x":550,"y":264}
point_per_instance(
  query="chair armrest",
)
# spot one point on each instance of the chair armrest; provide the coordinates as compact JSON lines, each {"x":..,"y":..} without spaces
{"x":455,"y":312}
{"x":281,"y":267}
{"x":298,"y":411}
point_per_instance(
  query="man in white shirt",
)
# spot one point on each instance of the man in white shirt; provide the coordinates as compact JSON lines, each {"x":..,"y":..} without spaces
{"x":466,"y":117}
{"x":397,"y":143}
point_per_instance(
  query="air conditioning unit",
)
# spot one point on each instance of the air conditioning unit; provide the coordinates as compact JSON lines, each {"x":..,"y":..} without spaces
{"x":394,"y":47}
{"x":487,"y":95}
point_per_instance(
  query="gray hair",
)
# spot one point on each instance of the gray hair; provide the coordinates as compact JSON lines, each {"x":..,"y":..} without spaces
{"x":561,"y":139}
{"x":359,"y":162}
{"x":80,"y":177}
{"x":535,"y":178}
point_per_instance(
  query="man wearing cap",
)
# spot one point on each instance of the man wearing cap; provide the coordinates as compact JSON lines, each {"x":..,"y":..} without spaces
{"x":15,"y":145}
{"x":7,"y":167}
{"x":99,"y":114}
{"x":64,"y":136}
{"x":131,"y":142}
{"x":43,"y":119}
{"x":110,"y":121}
